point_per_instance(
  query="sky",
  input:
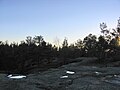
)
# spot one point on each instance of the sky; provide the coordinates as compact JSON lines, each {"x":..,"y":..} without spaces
{"x":53,"y":19}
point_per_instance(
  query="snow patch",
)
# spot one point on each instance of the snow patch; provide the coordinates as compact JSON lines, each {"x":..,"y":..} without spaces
{"x":64,"y":77}
{"x":16,"y":77}
{"x":97,"y":73}
{"x":70,"y":72}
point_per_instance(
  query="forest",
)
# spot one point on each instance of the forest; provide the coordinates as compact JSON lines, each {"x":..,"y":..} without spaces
{"x":35,"y":52}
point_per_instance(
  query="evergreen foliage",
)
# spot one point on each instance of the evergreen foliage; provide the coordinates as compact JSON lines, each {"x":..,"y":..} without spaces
{"x":37,"y":53}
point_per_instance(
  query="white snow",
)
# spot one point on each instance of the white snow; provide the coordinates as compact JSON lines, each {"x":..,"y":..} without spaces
{"x":97,"y":73}
{"x":70,"y":72}
{"x":16,"y":77}
{"x":10,"y":75}
{"x":64,"y":77}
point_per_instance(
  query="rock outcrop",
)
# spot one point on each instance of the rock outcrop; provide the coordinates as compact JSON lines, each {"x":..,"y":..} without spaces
{"x":72,"y":76}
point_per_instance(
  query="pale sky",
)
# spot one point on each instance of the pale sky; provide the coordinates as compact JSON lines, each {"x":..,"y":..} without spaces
{"x":73,"y":19}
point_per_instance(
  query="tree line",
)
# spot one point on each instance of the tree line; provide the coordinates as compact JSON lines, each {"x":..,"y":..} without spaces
{"x":36,"y":52}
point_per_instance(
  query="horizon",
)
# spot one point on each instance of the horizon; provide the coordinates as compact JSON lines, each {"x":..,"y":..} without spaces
{"x":55,"y":19}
